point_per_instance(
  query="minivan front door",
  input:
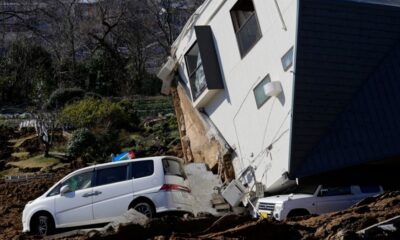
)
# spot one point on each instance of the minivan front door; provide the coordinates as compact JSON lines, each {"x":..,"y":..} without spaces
{"x":74,"y":208}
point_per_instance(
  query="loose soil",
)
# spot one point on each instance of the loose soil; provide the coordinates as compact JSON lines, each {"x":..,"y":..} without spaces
{"x":14,"y":196}
{"x":338,"y":225}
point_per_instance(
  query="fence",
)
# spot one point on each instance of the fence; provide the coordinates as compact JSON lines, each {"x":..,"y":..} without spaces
{"x":25,"y":178}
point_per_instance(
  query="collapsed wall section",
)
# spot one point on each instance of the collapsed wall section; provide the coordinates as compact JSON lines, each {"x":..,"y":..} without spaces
{"x":201,"y":141}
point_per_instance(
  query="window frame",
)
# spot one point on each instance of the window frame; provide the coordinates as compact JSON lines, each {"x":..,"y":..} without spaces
{"x":55,"y":190}
{"x":284,"y":57}
{"x":131,"y":176}
{"x":96,"y":175}
{"x":191,"y":74}
{"x":243,"y":53}
{"x":181,"y":168}
{"x":334,"y":189}
{"x":254,"y":91}
{"x":61,"y":184}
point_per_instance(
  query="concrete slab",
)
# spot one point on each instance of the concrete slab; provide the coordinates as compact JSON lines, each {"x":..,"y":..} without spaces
{"x":202,"y":182}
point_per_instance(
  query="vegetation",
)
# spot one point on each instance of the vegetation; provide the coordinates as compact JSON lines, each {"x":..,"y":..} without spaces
{"x":81,"y":144}
{"x":35,"y":162}
{"x":26,"y":74}
{"x":60,"y":97}
{"x":88,"y":68}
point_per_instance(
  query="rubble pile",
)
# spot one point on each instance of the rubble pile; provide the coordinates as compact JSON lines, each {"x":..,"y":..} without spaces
{"x":339,"y":225}
{"x":345,"y":224}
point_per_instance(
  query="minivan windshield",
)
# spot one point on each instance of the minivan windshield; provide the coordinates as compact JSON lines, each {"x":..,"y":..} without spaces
{"x":173,"y":167}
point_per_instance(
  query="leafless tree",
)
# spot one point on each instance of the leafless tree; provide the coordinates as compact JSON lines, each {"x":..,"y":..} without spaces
{"x":45,"y":126}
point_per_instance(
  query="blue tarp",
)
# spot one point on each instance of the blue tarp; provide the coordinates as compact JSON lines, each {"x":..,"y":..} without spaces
{"x":120,"y":157}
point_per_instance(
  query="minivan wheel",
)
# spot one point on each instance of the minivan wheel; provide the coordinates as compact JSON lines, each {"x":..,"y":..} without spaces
{"x":145,"y":209}
{"x":44,"y":225}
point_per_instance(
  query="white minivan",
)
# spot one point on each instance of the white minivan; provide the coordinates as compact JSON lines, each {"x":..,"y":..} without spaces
{"x":100,"y":193}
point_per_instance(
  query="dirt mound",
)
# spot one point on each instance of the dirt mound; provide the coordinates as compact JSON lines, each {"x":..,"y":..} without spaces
{"x":5,"y":134}
{"x":339,"y":225}
{"x":31,"y":145}
{"x":346,"y":223}
{"x":14,"y":196}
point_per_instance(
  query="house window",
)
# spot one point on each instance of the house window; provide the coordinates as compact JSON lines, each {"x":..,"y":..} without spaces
{"x":246,"y":25}
{"x":195,"y":71}
{"x":259,"y":92}
{"x":287,"y":59}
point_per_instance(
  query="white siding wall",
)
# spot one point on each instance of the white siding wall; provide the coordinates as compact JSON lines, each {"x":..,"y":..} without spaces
{"x":234,"y":110}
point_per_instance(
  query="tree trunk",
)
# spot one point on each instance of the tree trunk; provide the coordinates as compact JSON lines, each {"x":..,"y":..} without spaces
{"x":46,"y":150}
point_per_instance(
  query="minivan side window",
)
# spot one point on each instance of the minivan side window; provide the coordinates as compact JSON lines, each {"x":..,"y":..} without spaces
{"x":79,"y":181}
{"x":111,"y":175}
{"x":142,"y":168}
{"x":173,"y":167}
{"x":55,"y":190}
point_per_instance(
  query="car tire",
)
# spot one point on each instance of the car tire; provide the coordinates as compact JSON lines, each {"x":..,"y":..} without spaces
{"x":44,"y":225}
{"x":145,"y":208}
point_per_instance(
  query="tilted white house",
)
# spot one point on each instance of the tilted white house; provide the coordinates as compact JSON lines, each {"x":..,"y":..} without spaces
{"x":291,"y":86}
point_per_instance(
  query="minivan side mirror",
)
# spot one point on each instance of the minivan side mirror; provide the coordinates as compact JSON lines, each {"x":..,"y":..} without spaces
{"x":64,"y":189}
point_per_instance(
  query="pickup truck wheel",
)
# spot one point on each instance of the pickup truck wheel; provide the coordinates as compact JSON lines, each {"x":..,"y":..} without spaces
{"x":145,"y":209}
{"x":43,"y":226}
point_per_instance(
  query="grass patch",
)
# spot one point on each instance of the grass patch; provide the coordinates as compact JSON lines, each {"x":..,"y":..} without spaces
{"x":20,"y":155}
{"x":10,"y":171}
{"x":35,"y":162}
{"x":59,"y":148}
{"x":18,"y":142}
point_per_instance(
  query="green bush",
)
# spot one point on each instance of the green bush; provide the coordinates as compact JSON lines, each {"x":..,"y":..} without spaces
{"x":60,"y":97}
{"x":93,"y":147}
{"x":82,"y":143}
{"x":107,"y":143}
{"x":132,"y":119}
{"x":101,"y":113}
{"x":94,"y":113}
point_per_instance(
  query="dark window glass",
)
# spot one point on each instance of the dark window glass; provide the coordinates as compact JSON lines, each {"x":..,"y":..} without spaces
{"x":306,"y":189}
{"x":259,"y":92}
{"x":173,"y":167}
{"x":80,"y":181}
{"x":287,"y":59}
{"x":245,"y":23}
{"x":334,"y":191}
{"x":195,"y":70}
{"x":370,"y":188}
{"x":55,"y":191}
{"x":111,"y":175}
{"x":142,"y":169}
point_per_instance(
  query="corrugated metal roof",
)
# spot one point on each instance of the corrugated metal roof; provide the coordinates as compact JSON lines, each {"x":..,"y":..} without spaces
{"x":341,"y":44}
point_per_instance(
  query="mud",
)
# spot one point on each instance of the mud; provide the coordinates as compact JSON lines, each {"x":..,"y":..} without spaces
{"x":14,"y":196}
{"x":338,"y":225}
